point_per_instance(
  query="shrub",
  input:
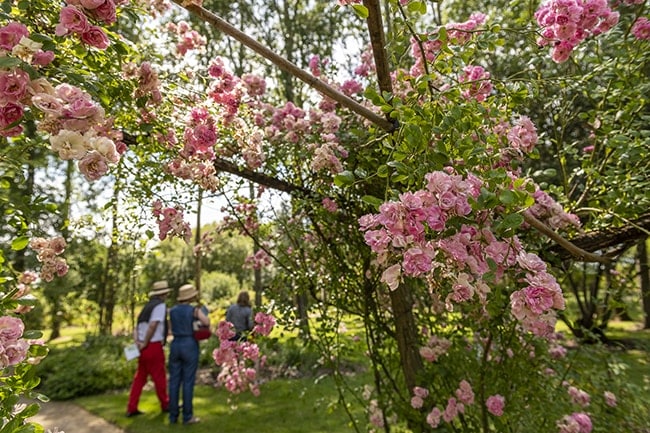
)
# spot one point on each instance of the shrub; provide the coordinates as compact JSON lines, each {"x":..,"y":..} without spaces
{"x":96,"y":366}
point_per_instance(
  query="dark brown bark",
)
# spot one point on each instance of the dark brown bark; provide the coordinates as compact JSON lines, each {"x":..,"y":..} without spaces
{"x":406,"y":334}
{"x":615,"y":239}
{"x":378,"y":42}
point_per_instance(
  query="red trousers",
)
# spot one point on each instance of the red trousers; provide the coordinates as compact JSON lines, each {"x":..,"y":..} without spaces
{"x":150,"y":363}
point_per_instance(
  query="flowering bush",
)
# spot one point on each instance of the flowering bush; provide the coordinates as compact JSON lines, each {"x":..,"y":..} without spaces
{"x":423,"y":231}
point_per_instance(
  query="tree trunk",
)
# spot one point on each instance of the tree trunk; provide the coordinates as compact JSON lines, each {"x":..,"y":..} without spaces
{"x":56,"y":318}
{"x":302,"y":304}
{"x":197,"y":241}
{"x":645,"y":280}
{"x":110,"y":272}
{"x":406,"y":334}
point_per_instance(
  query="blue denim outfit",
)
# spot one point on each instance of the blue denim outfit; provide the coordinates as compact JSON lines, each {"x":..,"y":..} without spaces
{"x":183,"y":361}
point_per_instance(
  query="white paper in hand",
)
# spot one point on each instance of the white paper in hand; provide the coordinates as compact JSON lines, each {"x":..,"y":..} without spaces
{"x":131,"y":352}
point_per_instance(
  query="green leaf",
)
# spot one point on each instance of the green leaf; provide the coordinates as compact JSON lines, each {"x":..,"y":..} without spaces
{"x":361,"y":11}
{"x":19,"y":243}
{"x":344,"y":179}
{"x":507,"y":197}
{"x":9,"y":62}
{"x":372,"y":200}
{"x":417,"y":6}
{"x":511,"y":222}
{"x":32,"y":334}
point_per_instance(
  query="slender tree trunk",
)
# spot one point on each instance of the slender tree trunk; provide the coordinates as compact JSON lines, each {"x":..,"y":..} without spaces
{"x":257,"y":273}
{"x":645,"y":280}
{"x":197,"y":241}
{"x":30,"y":175}
{"x":111,"y":269}
{"x":302,"y":304}
{"x":56,"y":318}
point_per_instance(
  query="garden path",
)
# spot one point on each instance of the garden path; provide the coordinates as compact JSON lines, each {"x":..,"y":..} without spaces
{"x":70,"y":418}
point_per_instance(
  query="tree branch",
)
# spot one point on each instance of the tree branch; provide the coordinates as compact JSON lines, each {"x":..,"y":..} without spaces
{"x":579,"y":253}
{"x":287,"y":66}
{"x":378,"y":42}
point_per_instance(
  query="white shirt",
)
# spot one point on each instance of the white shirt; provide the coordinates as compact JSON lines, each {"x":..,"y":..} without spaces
{"x":158,"y":314}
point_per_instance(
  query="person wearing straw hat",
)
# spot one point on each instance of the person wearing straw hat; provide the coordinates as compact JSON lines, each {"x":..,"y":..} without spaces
{"x":149,"y":335}
{"x":184,"y":353}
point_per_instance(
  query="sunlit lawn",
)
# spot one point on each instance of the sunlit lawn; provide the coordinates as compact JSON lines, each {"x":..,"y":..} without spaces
{"x":284,"y":406}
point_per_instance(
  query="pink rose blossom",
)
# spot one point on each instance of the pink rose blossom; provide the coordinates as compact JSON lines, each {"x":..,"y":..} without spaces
{"x":93,"y":166}
{"x":610,"y":399}
{"x":433,"y":417}
{"x":10,"y":115}
{"x":11,"y":34}
{"x":13,"y":86}
{"x":495,"y":404}
{"x":641,"y":28}
{"x":391,"y":276}
{"x":578,"y":396}
{"x":43,"y":58}
{"x":14,"y":353}
{"x":71,"y":20}
{"x":11,"y":328}
{"x":330,"y":205}
{"x":91,"y":4}
{"x":95,"y":37}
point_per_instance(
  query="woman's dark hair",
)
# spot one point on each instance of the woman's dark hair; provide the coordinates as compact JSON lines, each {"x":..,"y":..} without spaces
{"x":243,"y":299}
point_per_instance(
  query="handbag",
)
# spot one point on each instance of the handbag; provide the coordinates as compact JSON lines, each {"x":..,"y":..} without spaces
{"x":200,"y":331}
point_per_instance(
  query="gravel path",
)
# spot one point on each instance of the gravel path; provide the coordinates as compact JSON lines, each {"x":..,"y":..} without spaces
{"x":71,"y":418}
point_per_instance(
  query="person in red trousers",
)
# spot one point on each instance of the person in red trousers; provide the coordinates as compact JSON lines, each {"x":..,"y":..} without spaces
{"x":150,"y":335}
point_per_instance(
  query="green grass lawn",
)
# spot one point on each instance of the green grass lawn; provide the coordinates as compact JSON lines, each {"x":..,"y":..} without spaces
{"x":308,"y":405}
{"x":284,"y":406}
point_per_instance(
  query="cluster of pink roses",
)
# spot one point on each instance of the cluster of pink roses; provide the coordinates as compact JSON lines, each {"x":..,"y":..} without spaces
{"x":23,"y":289}
{"x":478,"y":79}
{"x":76,"y":124}
{"x":148,"y":82}
{"x":551,"y":212}
{"x":47,"y":252}
{"x":187,"y":38}
{"x":16,"y":86}
{"x":194,"y":161}
{"x":410,"y":229}
{"x":78,"y":129}
{"x":170,"y":222}
{"x":463,"y":396}
{"x":427,"y":49}
{"x":260,"y":259}
{"x":577,"y":422}
{"x":200,"y":135}
{"x":566,"y":23}
{"x":74,"y":19}
{"x":239,"y":360}
{"x":13,"y":348}
{"x":225,"y":89}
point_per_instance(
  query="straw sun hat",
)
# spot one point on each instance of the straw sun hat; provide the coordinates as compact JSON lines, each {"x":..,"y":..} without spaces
{"x":159,"y":288}
{"x":186,"y":292}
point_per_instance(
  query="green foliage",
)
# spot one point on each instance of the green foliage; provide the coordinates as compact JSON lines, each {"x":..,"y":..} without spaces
{"x":218,"y":286}
{"x":96,"y":366}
